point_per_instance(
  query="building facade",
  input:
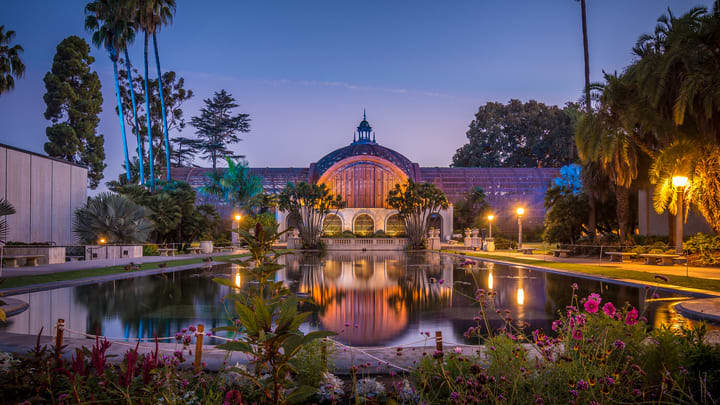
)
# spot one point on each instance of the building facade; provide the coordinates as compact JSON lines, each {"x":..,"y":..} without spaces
{"x":44,"y":192}
{"x":364,"y":171}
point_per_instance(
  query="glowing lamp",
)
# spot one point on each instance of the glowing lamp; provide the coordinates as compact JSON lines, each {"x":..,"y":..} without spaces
{"x":491,"y":217}
{"x":102,"y":241}
{"x":679,"y":181}
{"x":238,"y":217}
{"x":238,"y":280}
{"x":490,"y":281}
{"x":520,"y":211}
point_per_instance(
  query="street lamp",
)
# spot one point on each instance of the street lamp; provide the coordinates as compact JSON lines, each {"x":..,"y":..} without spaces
{"x":101,"y":241}
{"x":235,"y":239}
{"x":490,"y":219}
{"x":520,"y":212}
{"x":679,"y":183}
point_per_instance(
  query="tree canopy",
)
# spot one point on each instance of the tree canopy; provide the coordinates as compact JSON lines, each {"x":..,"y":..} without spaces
{"x":74,"y":102}
{"x":309,"y":203}
{"x":217,"y":127}
{"x":415,"y":203}
{"x":11,"y":66}
{"x":519,"y":134}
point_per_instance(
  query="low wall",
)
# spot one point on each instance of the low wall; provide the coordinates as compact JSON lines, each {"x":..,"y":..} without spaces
{"x":49,"y":255}
{"x":95,"y":252}
{"x":365,"y":243}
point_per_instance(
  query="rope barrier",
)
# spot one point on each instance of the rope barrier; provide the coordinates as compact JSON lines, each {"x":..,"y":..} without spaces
{"x":370,"y":355}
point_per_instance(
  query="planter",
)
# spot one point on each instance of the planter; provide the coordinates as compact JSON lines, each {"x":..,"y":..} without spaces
{"x":49,"y":255}
{"x":99,"y":252}
{"x":206,"y":246}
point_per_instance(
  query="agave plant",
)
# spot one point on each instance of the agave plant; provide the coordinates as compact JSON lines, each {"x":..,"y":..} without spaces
{"x":5,"y":209}
{"x":113,"y":218}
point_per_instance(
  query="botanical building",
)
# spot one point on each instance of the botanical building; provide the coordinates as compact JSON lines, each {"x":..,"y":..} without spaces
{"x":364,"y":171}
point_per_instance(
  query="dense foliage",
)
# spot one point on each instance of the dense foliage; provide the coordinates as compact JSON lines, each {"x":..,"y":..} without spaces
{"x":11,"y":66}
{"x":309,"y":203}
{"x":662,"y":112}
{"x":471,"y":211}
{"x":519,"y":134}
{"x":74,"y":102}
{"x":565,"y":214}
{"x":235,"y":184}
{"x":114,"y":218}
{"x":173,"y":211}
{"x":5,"y":209}
{"x":415,"y":203}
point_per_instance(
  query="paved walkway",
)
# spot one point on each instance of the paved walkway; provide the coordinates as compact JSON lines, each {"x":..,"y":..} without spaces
{"x":676,"y":270}
{"x":707,"y":308}
{"x":8,"y":272}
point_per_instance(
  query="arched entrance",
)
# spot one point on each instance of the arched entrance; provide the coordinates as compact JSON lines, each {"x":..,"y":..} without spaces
{"x":364,"y":225}
{"x":332,"y":225}
{"x":394,"y":226}
{"x":293,"y":221}
{"x":435,"y":221}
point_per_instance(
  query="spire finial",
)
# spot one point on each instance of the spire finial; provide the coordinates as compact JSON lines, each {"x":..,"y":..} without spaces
{"x":364,"y":115}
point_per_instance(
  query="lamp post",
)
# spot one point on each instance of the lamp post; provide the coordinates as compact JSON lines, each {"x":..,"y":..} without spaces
{"x":490,"y":219}
{"x":235,"y":237}
{"x":679,"y":183}
{"x":520,"y":212}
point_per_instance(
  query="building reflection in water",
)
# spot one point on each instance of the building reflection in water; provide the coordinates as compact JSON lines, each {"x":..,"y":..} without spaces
{"x":384,"y":298}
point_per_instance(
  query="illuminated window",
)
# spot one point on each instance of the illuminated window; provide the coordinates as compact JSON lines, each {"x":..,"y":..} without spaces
{"x":332,"y":225}
{"x":364,"y":225}
{"x":395,"y":226}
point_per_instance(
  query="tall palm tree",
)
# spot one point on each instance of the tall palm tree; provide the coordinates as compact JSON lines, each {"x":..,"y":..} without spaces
{"x":583,"y":12}
{"x":11,"y":67}
{"x":111,"y":25}
{"x":136,"y":127}
{"x":153,"y":14}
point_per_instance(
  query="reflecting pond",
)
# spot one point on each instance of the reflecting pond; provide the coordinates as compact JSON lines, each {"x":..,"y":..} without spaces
{"x":370,"y":298}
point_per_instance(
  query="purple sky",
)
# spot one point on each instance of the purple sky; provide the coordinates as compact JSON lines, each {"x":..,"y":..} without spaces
{"x":305,"y":70}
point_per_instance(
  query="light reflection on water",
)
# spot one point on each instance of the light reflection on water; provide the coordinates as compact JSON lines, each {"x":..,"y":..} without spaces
{"x":380,"y":298}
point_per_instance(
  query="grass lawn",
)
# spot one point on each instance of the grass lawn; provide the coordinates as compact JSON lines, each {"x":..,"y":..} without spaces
{"x":641,"y":276}
{"x":22,"y":281}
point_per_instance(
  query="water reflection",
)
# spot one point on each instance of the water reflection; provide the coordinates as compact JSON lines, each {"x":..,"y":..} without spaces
{"x":383,"y":298}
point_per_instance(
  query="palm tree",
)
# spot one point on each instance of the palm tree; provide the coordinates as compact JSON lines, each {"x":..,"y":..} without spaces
{"x":11,"y":67}
{"x":114,"y":218}
{"x":110,"y":23}
{"x":136,"y":127}
{"x":586,"y":55}
{"x":153,"y":14}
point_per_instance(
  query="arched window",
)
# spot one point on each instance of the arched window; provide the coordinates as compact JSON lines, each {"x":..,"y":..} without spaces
{"x":435,"y":221}
{"x":293,"y":221}
{"x":364,"y":225}
{"x":395,"y":226}
{"x":332,"y":225}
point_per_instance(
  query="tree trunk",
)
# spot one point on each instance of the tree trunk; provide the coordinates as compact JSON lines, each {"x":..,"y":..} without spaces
{"x":136,"y":128}
{"x":162,"y":108}
{"x":671,"y":228}
{"x":586,"y":55}
{"x":113,"y":57}
{"x":622,"y":194}
{"x":147,"y":115}
{"x":592,"y":218}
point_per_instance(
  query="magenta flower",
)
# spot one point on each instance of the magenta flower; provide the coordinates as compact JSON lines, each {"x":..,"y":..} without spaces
{"x":609,"y":309}
{"x":591,"y":306}
{"x":577,"y":334}
{"x":556,"y":325}
{"x":595,"y":296}
{"x":632,"y":317}
{"x":582,"y":385}
{"x":620,"y":344}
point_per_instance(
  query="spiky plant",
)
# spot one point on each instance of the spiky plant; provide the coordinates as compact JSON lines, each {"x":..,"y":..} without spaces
{"x":5,"y":209}
{"x":114,"y":218}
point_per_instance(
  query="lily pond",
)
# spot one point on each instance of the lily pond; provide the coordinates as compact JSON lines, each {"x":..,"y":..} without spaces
{"x":369,"y":298}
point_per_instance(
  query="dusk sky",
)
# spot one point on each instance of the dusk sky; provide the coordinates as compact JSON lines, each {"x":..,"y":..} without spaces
{"x":304,"y":70}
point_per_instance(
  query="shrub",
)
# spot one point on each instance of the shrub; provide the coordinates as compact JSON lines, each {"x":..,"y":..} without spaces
{"x":150,"y":250}
{"x":114,"y":218}
{"x":380,"y":234}
{"x":347,"y":234}
{"x":503,"y":244}
{"x":701,"y":243}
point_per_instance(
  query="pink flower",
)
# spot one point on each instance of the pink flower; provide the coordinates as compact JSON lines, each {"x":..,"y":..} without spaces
{"x":609,"y":309}
{"x":631,"y":317}
{"x":458,"y":350}
{"x":595,"y":296}
{"x":556,"y":325}
{"x":580,"y":320}
{"x":591,"y":306}
{"x":577,"y":334}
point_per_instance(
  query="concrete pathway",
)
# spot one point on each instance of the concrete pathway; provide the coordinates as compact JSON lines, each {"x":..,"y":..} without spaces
{"x":8,"y":272}
{"x":676,"y":270}
{"x":707,"y":309}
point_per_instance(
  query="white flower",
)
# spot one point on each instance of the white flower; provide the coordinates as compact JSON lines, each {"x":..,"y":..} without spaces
{"x":6,"y":361}
{"x":406,"y":393}
{"x":331,"y":387}
{"x":370,"y":388}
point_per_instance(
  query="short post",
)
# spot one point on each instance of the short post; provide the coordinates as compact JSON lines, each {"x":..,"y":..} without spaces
{"x":198,"y":347}
{"x":59,"y":336}
{"x":324,"y":354}
{"x":438,"y":341}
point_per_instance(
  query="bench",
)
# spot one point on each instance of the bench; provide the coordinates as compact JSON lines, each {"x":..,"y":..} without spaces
{"x":30,"y":260}
{"x":167,"y":252}
{"x":225,"y":249}
{"x":619,"y":256}
{"x":526,"y":251}
{"x":561,"y":252}
{"x":195,"y":250}
{"x":665,"y":260}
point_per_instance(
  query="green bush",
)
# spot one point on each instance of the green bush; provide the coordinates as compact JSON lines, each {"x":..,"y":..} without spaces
{"x":504,"y":244}
{"x":150,"y":250}
{"x":701,"y":243}
{"x":380,"y":234}
{"x":347,"y":234}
